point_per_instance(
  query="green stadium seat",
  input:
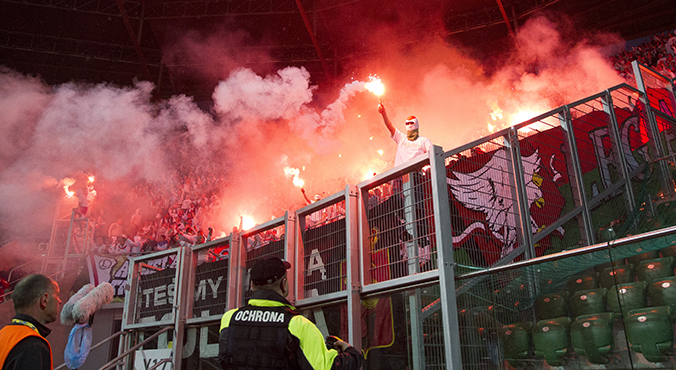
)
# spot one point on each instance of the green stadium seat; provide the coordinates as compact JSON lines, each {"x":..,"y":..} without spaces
{"x":636,"y":259}
{"x":516,"y":342}
{"x":655,"y":269}
{"x":583,"y":282}
{"x":619,"y":275}
{"x":631,"y":297}
{"x":552,"y":305}
{"x":663,"y":293}
{"x":592,"y":336}
{"x":551,"y":340}
{"x":601,"y":267}
{"x":668,"y":251}
{"x":650,"y":332}
{"x":483,"y":319}
{"x":587,"y":302}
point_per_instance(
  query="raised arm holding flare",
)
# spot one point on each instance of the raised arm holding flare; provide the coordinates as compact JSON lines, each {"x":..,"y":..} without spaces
{"x":410,"y":145}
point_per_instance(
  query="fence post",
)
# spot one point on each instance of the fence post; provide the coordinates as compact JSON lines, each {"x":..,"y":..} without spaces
{"x":444,"y":241}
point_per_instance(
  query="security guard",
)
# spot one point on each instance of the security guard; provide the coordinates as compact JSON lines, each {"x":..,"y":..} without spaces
{"x":22,"y":342}
{"x":268,"y":333}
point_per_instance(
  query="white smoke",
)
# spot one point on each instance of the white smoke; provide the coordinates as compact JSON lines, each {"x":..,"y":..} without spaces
{"x":121,"y":134}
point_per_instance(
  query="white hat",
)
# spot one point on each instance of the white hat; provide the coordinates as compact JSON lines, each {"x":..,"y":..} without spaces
{"x":411,"y":123}
{"x":318,"y":197}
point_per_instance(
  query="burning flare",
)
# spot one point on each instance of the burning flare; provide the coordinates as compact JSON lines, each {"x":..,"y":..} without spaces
{"x":375,"y":86}
{"x":67,"y":182}
{"x":521,"y":116}
{"x":294,"y":173}
{"x":247,"y":222}
{"x":368,"y":174}
{"x":504,"y":119}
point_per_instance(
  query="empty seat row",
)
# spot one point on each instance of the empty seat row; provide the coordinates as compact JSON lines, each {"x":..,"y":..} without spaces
{"x":646,"y":270}
{"x":649,"y":331}
{"x":619,"y":299}
{"x":582,"y":318}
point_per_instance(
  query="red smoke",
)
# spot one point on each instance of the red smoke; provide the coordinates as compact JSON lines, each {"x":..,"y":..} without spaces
{"x":263,"y":123}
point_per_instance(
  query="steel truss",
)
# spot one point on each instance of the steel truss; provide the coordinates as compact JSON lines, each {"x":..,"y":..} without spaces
{"x":76,"y":48}
{"x":103,"y":7}
{"x":171,"y":9}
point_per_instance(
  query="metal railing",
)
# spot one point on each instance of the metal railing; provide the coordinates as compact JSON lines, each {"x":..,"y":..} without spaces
{"x":131,"y":350}
{"x":391,"y":246}
{"x":5,"y":297}
{"x":99,"y":344}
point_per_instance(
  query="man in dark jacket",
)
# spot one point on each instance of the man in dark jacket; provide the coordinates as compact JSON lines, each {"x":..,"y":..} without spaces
{"x":268,"y":333}
{"x":22,"y":342}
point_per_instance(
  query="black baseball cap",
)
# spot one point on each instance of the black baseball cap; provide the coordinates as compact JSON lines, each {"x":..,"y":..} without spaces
{"x":268,"y":269}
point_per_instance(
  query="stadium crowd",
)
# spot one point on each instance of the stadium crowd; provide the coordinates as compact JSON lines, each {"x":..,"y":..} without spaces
{"x":168,"y":216}
{"x":659,"y":54}
{"x":165,"y":216}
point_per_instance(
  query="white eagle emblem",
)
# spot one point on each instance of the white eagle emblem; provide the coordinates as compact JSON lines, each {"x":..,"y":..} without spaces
{"x":490,"y":190}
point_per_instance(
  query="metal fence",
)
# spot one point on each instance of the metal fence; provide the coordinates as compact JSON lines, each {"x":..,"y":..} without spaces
{"x":409,"y":264}
{"x":398,"y":225}
{"x":210,"y":279}
{"x":153,"y":287}
{"x":274,"y":238}
{"x":322,"y":249}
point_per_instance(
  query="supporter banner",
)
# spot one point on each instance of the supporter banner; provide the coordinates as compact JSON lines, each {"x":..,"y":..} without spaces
{"x":151,"y":359}
{"x":482,"y":202}
{"x":157,"y":291}
{"x":661,"y":100}
{"x":378,"y":327}
{"x":114,"y":269}
{"x":100,"y":268}
{"x":211,"y":281}
{"x":325,"y":254}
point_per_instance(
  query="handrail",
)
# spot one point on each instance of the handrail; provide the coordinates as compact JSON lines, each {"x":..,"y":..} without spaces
{"x":134,"y":348}
{"x":163,"y":361}
{"x":9,"y":276}
{"x":10,"y":292}
{"x":570,"y":253}
{"x":97,"y":345}
{"x":2,"y":297}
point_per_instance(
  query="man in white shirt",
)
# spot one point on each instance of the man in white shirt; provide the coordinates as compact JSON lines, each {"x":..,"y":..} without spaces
{"x":410,"y":145}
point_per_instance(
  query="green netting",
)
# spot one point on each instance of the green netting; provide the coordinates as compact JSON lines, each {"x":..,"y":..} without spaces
{"x":516,"y":290}
{"x":656,"y":208}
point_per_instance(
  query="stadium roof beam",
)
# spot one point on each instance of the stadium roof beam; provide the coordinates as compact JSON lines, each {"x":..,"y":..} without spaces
{"x":217,"y":8}
{"x":157,"y":10}
{"x":504,"y":16}
{"x":50,"y":72}
{"x":490,"y":16}
{"x":74,"y":48}
{"x":311,"y":32}
{"x":103,"y":7}
{"x":134,"y":40}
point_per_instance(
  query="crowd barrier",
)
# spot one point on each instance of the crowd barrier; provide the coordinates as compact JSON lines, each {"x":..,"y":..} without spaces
{"x":430,"y":264}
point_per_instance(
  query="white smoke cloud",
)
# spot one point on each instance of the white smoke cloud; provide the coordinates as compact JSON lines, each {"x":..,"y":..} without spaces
{"x":261,"y":124}
{"x":245,"y":95}
{"x":21,"y":102}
